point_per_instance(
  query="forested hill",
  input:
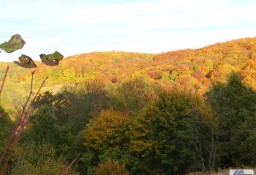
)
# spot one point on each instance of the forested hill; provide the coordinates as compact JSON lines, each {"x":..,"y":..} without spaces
{"x":190,"y":70}
{"x":133,"y":113}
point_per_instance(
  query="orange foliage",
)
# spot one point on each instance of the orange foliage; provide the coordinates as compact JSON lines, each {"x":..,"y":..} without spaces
{"x":214,"y":62}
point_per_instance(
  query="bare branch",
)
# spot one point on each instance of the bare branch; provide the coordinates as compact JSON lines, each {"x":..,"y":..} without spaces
{"x":34,"y":99}
{"x":8,"y":157}
{"x":7,"y":69}
{"x":65,"y":172}
{"x":20,"y":125}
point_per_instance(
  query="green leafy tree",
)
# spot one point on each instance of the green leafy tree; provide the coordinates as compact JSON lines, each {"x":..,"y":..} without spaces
{"x":40,"y":160}
{"x":121,"y":154}
{"x":166,"y":137}
{"x":135,"y":93}
{"x":44,"y":127}
{"x":5,"y":128}
{"x":235,"y":105}
{"x":58,"y":103}
{"x":104,"y":139}
{"x":87,"y":102}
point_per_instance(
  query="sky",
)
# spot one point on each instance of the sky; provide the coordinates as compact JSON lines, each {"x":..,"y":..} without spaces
{"x":152,"y":26}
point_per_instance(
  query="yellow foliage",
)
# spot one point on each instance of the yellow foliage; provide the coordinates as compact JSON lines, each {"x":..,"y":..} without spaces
{"x":111,"y":167}
{"x":106,"y":130}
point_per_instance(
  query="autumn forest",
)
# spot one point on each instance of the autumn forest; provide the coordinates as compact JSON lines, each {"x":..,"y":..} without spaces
{"x":120,"y":113}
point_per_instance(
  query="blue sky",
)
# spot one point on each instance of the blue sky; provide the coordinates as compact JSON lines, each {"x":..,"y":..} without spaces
{"x":153,"y":26}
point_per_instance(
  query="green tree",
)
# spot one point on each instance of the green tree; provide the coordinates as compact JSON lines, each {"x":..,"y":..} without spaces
{"x":59,"y":104}
{"x":5,"y":128}
{"x":40,"y":160}
{"x":75,"y":106}
{"x":235,"y":106}
{"x":104,"y":139}
{"x":135,"y":93}
{"x":44,"y":129}
{"x":167,"y":136}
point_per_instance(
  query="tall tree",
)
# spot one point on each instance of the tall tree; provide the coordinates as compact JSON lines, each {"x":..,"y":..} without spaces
{"x":235,"y":105}
{"x":171,"y":136}
{"x":135,"y":93}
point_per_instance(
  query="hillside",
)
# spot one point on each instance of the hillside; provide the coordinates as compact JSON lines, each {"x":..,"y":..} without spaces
{"x":190,"y":70}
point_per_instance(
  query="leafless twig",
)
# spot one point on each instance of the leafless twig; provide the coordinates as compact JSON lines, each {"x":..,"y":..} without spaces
{"x":65,"y":172}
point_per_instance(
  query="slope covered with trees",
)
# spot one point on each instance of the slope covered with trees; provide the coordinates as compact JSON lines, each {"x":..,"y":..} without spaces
{"x":189,"y":70}
{"x":175,"y":133}
{"x":128,"y":113}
